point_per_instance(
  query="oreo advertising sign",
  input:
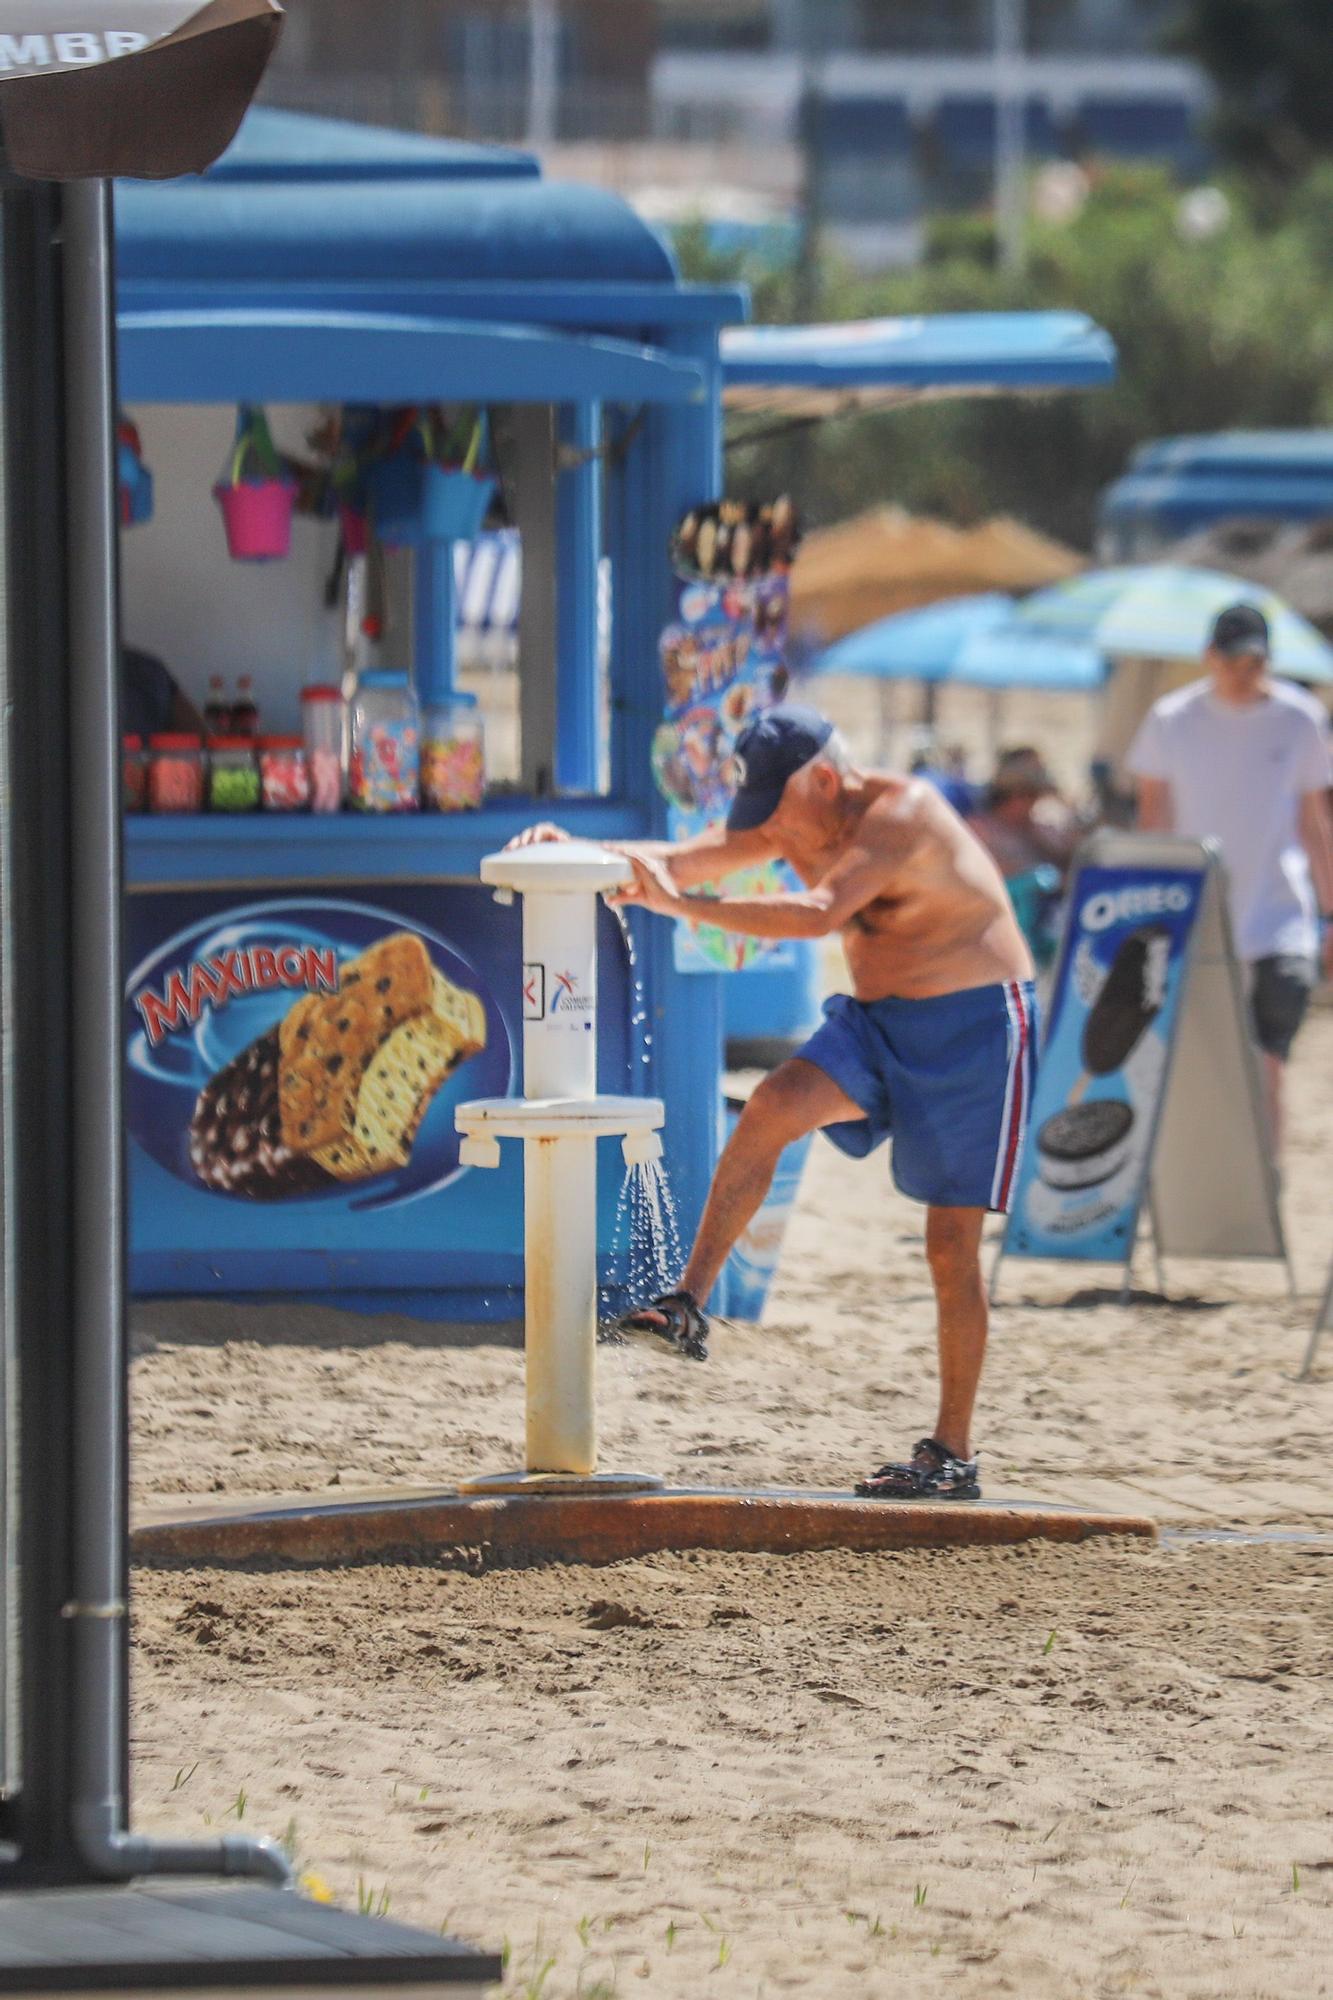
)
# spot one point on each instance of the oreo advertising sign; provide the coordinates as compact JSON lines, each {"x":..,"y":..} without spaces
{"x":1100,"y":1084}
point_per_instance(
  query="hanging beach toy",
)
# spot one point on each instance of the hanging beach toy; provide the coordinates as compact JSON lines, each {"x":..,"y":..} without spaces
{"x":349,"y":477}
{"x":429,"y":486}
{"x":258,"y":495}
{"x":134,"y":480}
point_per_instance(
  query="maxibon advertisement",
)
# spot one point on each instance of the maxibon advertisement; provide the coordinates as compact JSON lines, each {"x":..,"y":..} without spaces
{"x":293,"y":1060}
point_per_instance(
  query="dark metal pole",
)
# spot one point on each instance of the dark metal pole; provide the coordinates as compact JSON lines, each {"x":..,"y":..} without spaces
{"x":38,"y":1316}
{"x":97,"y":1611}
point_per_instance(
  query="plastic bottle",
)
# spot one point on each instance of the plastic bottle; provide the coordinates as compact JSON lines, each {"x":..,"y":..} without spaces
{"x":244,"y":713}
{"x":217,"y":709}
{"x":322,"y":725}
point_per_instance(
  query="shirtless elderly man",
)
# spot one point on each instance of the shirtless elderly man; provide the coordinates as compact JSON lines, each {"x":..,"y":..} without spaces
{"x":935,"y":1047}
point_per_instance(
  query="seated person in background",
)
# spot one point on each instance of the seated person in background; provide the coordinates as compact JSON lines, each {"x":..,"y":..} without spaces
{"x":1024,"y":823}
{"x":946,"y":770}
{"x":151,"y":704}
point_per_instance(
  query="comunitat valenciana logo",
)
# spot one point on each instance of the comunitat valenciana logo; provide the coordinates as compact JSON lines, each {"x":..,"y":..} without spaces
{"x":1126,"y":906}
{"x":46,"y":51}
{"x":231,"y":975}
{"x":567,"y":997}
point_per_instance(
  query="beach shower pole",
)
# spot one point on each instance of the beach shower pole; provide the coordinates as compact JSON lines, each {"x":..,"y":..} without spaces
{"x":559,"y":1118}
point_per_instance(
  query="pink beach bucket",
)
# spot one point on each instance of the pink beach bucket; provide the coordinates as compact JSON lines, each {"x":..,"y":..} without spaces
{"x":256,"y":511}
{"x":258,"y":519}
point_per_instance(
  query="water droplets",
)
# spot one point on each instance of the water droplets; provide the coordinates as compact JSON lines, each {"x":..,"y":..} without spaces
{"x":646,"y":1254}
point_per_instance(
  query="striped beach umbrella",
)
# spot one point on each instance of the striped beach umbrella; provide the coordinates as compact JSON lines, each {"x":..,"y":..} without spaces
{"x":1162,"y":611}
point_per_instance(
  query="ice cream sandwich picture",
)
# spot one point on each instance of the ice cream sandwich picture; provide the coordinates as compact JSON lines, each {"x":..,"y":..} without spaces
{"x":337,"y":1091}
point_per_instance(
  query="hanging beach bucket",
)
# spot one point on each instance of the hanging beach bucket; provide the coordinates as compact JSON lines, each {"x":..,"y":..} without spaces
{"x":355,"y":525}
{"x":256,"y":506}
{"x":134,"y":480}
{"x":418,"y":495}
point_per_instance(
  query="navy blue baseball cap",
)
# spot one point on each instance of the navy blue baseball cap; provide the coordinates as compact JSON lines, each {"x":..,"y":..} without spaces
{"x":768,"y":751}
{"x":1239,"y":630}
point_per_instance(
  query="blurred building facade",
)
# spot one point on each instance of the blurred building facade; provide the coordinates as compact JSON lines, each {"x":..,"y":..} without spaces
{"x":736,"y":109}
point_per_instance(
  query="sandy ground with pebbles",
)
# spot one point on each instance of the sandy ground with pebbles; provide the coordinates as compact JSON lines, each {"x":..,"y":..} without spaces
{"x":1042,"y":1772}
{"x":1046,"y":1772}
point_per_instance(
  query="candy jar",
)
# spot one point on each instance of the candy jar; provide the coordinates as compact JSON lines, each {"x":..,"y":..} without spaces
{"x":175,"y":774}
{"x":384,"y":773}
{"x":134,"y":774}
{"x":283,"y":778}
{"x":453,"y":755}
{"x":322,"y":721}
{"x":233,"y":777}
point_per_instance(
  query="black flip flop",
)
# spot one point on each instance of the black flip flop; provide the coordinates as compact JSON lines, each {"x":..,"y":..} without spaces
{"x":932,"y":1473}
{"x":674,"y":1318}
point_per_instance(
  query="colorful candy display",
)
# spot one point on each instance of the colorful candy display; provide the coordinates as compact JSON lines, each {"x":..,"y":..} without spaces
{"x":386,"y":768}
{"x":176,"y":774}
{"x":453,"y":773}
{"x":284,"y":778}
{"x":233,"y":777}
{"x":384,"y":772}
{"x":325,"y":769}
{"x":322,"y":721}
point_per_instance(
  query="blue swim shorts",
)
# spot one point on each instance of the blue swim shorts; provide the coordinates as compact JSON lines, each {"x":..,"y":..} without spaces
{"x":949,"y":1079}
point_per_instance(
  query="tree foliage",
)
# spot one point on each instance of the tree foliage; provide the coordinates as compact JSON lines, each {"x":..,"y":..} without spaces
{"x":1271,"y":62}
{"x":1233,"y":331}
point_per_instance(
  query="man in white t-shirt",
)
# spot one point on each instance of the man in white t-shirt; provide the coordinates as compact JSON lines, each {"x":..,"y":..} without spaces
{"x":1245,"y":758}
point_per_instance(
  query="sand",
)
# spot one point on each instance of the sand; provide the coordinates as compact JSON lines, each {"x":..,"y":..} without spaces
{"x":1046,"y":1772}
{"x":813,"y":1774}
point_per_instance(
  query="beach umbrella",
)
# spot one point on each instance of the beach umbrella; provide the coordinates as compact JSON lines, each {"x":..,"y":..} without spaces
{"x":90,"y":89}
{"x":1163,"y":612}
{"x":999,"y":660}
{"x":887,"y":560}
{"x":919,"y":645}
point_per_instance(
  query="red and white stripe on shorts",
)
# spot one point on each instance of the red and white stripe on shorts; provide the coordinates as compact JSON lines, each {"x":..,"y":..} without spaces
{"x":1017,"y":1096}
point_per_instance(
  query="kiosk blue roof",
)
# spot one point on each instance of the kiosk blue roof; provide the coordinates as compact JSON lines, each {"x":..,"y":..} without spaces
{"x":820,"y":370}
{"x":330,"y":261}
{"x":1174,"y":485}
{"x":441,"y":228}
{"x":285,"y":145}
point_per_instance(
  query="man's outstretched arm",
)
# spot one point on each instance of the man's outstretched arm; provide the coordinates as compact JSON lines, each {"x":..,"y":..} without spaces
{"x":707,"y":857}
{"x":818,"y":912}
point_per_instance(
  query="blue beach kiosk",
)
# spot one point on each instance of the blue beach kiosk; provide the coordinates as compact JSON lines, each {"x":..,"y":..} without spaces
{"x":319,"y":264}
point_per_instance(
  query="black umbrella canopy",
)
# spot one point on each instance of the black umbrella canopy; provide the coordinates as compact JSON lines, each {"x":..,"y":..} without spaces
{"x":147,"y":88}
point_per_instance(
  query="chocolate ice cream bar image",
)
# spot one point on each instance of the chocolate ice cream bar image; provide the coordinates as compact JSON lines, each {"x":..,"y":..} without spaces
{"x":236,"y":1142}
{"x":1132,"y":996}
{"x":1129,"y":1002}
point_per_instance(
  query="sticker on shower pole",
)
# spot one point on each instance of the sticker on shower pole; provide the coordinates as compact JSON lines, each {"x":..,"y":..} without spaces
{"x":534,"y":992}
{"x":1113,"y":1013}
